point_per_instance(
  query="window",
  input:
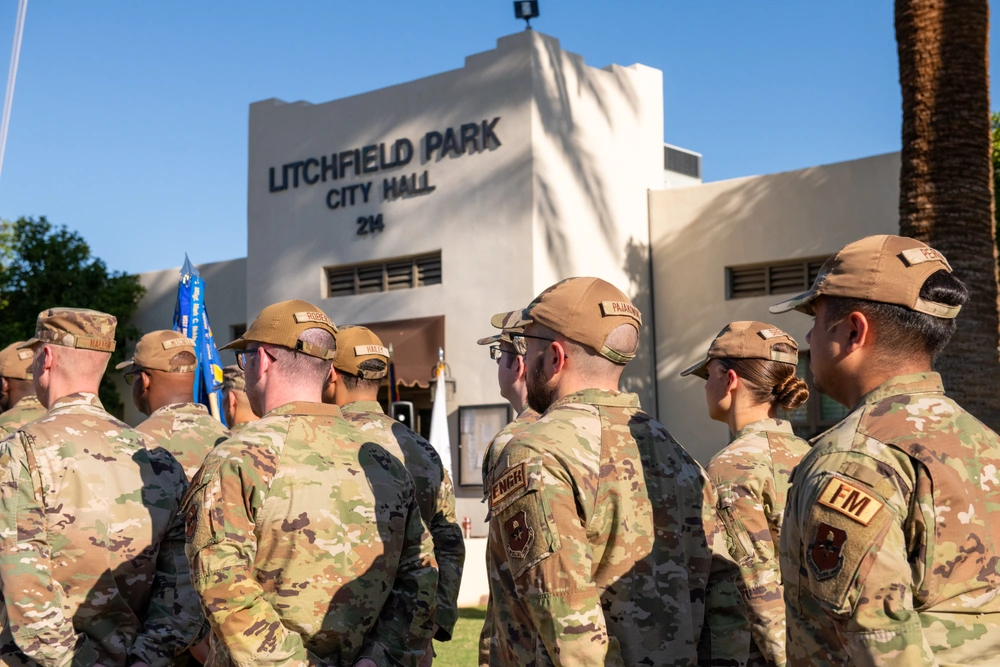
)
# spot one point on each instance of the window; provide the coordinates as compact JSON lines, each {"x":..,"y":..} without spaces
{"x":237,"y":330}
{"x":817,"y":414}
{"x":773,"y":278}
{"x":384,"y":276}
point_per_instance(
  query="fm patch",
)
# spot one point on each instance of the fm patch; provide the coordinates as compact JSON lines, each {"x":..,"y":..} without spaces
{"x":850,"y":501}
{"x":825,"y":556}
{"x":511,"y":480}
{"x":519,"y":535}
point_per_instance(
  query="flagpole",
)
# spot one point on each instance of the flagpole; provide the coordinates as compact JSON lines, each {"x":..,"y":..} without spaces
{"x":15,"y":57}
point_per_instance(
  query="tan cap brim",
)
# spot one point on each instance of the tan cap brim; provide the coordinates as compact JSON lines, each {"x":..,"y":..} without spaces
{"x":513,"y":319}
{"x":28,"y":343}
{"x":489,"y":340}
{"x":126,"y":366}
{"x":801,"y":303}
{"x":238,"y":344}
{"x":700,"y":369}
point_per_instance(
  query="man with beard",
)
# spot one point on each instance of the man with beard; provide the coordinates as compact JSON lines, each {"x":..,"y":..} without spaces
{"x":892,"y":526}
{"x":511,"y":370}
{"x":17,"y":400}
{"x":161,"y":373}
{"x":92,"y":566}
{"x":604,"y":546}
{"x":305,"y":539}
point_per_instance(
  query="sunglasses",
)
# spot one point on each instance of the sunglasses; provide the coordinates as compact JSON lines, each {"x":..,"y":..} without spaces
{"x":241,"y":356}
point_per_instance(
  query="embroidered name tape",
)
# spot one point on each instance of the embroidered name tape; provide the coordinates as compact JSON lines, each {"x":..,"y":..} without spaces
{"x":612,"y":308}
{"x":177,"y":342}
{"x":850,"y":501}
{"x":768,"y":334}
{"x":915,"y":256}
{"x":312,"y":316}
{"x":25,"y":354}
{"x":364,"y":350}
{"x":512,"y":480}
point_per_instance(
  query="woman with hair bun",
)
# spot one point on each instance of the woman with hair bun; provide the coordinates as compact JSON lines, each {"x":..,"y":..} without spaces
{"x":750,"y":373}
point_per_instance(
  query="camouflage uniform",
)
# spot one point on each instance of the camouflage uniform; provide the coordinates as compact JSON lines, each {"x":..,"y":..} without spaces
{"x":604,"y":546}
{"x":92,"y":564}
{"x":187,"y":431}
{"x":28,"y":409}
{"x":435,"y":499}
{"x":889,"y":548}
{"x":493,"y":451}
{"x":306,"y":544}
{"x":751,"y":477}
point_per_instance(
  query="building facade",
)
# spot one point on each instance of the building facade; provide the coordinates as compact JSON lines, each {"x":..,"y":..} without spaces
{"x":421,"y":209}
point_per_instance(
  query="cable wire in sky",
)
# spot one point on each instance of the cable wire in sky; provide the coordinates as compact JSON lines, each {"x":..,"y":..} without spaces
{"x":15,"y":55}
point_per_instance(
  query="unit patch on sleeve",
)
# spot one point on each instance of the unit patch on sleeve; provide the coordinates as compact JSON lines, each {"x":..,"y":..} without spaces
{"x":510,"y":481}
{"x":519,"y":535}
{"x":825,"y":556}
{"x":850,"y":501}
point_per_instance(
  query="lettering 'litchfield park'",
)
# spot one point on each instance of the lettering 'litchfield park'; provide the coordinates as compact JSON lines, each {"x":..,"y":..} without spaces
{"x":453,"y":142}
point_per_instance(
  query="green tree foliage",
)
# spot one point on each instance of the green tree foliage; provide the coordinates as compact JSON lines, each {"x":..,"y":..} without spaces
{"x":41,"y":266}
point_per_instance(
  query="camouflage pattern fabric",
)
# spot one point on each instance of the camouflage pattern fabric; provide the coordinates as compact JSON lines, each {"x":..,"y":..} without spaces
{"x":27,"y":410}
{"x":604,"y":545}
{"x":306,"y":545}
{"x":751,"y":478}
{"x":493,"y":450}
{"x":891,"y":535}
{"x":435,"y":498}
{"x":92,"y":564}
{"x":186,"y":430}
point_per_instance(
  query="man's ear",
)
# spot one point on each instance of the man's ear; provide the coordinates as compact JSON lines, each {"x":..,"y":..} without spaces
{"x":859,"y":331}
{"x":231,"y":401}
{"x":522,"y":368}
{"x":3,"y":385}
{"x":559,"y":356}
{"x":145,"y":380}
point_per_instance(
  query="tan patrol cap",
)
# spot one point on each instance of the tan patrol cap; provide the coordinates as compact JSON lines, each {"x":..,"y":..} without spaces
{"x":501,"y":321}
{"x":233,"y":379}
{"x":884,"y":268}
{"x":14,"y":363}
{"x":282,"y":324}
{"x":155,"y":350}
{"x":81,"y":328}
{"x":585,"y":310}
{"x":746,"y":340}
{"x":356,"y":345}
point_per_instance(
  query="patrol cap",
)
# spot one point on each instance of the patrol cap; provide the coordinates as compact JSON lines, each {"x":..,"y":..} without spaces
{"x":233,"y":379}
{"x":80,"y":328}
{"x":155,"y":350}
{"x":585,"y":310}
{"x":14,"y":363}
{"x":282,"y":324}
{"x":501,"y":321}
{"x":746,"y":340}
{"x":356,"y":345}
{"x":883,"y":268}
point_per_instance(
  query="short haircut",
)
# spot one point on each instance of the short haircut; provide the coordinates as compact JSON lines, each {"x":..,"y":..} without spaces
{"x":299,"y":365}
{"x":355,"y":383}
{"x":183,"y":358}
{"x":901,"y":331}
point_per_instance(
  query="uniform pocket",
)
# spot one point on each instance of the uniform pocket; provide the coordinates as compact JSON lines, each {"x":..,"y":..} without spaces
{"x":737,"y":537}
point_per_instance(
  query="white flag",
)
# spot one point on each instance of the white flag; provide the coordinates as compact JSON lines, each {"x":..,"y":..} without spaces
{"x":440,"y":440}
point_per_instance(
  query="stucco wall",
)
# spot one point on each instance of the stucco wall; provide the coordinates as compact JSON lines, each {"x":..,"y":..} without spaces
{"x":697,"y":232}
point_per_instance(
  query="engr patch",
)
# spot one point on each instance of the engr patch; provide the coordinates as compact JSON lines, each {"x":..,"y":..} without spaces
{"x":510,"y":481}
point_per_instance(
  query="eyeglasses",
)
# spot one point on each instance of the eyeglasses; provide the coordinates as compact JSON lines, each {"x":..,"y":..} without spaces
{"x":497,"y":352}
{"x":522,"y":336}
{"x":241,"y":356}
{"x":130,"y":376}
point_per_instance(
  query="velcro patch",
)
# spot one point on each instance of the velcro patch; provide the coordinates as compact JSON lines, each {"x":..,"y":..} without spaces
{"x":620,"y":308}
{"x":364,"y":350}
{"x":312,"y":316}
{"x":825,"y":556}
{"x":25,"y":354}
{"x":510,"y":481}
{"x":519,"y":535}
{"x":915,"y":256}
{"x":177,"y":342}
{"x":850,"y":501}
{"x":768,"y":334}
{"x":100,"y":344}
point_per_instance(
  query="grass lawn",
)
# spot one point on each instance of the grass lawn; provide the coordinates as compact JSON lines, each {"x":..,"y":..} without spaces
{"x":463,"y":649}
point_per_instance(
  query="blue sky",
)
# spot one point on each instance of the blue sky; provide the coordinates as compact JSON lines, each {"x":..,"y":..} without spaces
{"x":130,"y":118}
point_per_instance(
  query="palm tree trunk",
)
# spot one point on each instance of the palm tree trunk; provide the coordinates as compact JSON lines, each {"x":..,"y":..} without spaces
{"x":946,"y":180}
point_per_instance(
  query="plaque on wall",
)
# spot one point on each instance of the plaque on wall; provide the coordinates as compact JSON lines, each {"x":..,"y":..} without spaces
{"x":477,"y":425}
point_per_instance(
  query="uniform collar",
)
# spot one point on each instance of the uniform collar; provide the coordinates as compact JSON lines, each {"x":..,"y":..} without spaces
{"x":772,"y":425}
{"x":193,"y":408}
{"x":306,"y":408}
{"x":915,"y":383}
{"x":28,"y":402}
{"x":618,"y":399}
{"x":77,"y":399}
{"x":362,"y":406}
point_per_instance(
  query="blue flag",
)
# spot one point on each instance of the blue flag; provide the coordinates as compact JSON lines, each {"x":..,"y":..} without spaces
{"x":191,"y":319}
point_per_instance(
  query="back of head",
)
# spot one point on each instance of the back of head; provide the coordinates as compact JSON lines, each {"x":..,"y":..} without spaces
{"x":80,"y":342}
{"x":361,"y":362}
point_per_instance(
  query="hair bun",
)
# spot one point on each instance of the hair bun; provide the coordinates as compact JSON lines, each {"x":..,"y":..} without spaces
{"x":792,"y":392}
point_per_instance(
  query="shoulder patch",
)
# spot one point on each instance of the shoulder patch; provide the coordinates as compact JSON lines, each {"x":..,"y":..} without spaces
{"x":850,"y":500}
{"x":825,"y":556}
{"x":510,"y":481}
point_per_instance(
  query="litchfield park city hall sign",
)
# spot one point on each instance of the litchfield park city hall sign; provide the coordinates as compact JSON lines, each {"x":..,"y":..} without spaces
{"x":345,"y":168}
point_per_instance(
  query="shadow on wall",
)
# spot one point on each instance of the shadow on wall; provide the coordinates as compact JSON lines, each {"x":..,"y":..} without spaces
{"x":555,"y":111}
{"x":639,"y":374}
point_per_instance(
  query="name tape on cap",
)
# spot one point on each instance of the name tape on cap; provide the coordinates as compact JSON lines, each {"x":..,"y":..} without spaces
{"x":177,"y":342}
{"x":620,"y":308}
{"x":312,"y":316}
{"x":509,"y":482}
{"x":25,"y":354}
{"x":915,"y":256}
{"x":768,"y":334}
{"x":850,"y":501}
{"x":364,"y":350}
